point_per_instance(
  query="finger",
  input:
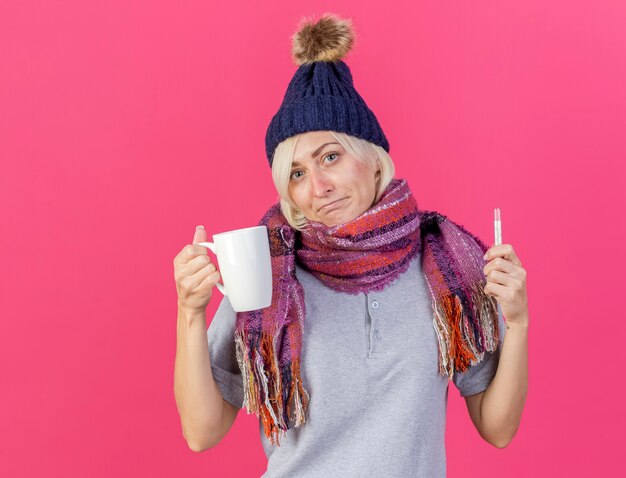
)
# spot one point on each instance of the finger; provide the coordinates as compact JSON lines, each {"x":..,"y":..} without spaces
{"x":505,"y":251}
{"x":196,"y":280}
{"x":211,"y":279}
{"x":198,"y":263}
{"x":495,"y":290}
{"x":499,"y":264}
{"x":199,"y":235}
{"x":498,"y":277}
{"x":190,"y":252}
{"x":504,"y":293}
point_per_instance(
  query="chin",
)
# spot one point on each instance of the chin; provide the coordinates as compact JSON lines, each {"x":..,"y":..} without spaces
{"x":342,"y":220}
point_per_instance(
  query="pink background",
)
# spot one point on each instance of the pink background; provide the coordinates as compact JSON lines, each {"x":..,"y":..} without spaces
{"x":123,"y":125}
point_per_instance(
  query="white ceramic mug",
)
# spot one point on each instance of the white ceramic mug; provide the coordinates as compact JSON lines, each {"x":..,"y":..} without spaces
{"x":243,"y":256}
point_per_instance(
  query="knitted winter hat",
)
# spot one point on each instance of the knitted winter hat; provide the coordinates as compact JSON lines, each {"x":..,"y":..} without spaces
{"x":321,"y":95}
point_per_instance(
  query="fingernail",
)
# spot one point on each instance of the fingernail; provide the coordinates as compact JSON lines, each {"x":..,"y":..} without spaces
{"x":200,"y":227}
{"x":485,"y":256}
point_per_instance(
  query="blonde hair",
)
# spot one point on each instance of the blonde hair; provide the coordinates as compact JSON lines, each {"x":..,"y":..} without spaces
{"x":369,"y":154}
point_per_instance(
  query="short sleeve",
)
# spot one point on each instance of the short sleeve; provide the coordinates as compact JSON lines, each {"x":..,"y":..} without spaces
{"x":222,"y":353}
{"x":477,"y":377}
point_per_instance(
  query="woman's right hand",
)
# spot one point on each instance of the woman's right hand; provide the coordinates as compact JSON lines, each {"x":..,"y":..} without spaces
{"x":195,"y":274}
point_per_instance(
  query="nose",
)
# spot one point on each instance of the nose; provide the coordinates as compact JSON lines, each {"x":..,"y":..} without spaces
{"x":320,"y":183}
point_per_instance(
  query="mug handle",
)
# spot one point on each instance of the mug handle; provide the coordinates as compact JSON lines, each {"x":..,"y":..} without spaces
{"x":211,"y":246}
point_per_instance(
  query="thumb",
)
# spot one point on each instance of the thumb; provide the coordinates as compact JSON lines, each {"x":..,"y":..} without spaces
{"x":199,"y":235}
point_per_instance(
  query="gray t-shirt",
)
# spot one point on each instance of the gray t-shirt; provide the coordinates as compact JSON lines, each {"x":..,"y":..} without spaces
{"x":370,"y":364}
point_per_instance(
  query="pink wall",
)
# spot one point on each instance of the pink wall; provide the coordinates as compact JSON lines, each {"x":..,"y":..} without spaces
{"x":125,"y":124}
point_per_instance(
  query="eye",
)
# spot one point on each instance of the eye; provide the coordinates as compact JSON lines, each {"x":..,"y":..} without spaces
{"x":293,"y":175}
{"x":329,"y":155}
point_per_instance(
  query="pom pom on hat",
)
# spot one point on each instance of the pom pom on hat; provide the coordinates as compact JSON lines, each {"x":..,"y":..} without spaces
{"x":329,"y":39}
{"x":321,"y":95}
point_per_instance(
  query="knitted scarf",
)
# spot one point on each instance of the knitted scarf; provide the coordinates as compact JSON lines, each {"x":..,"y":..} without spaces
{"x":363,"y":255}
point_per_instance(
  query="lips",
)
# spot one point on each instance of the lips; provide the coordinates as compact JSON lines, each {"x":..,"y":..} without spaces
{"x":330,"y":205}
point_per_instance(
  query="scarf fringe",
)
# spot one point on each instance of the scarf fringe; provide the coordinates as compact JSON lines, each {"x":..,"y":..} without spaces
{"x":278,"y":409}
{"x":465,"y":335}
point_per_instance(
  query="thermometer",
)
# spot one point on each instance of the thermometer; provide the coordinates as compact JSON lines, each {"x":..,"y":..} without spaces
{"x":497,"y":229}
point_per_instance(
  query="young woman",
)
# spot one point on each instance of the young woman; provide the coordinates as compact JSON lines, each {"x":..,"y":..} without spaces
{"x":377,"y":304}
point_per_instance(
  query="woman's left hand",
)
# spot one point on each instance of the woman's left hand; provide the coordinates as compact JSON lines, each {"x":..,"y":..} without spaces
{"x":506,"y":281}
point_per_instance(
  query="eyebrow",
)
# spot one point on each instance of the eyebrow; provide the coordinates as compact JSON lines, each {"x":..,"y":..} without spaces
{"x":314,"y":153}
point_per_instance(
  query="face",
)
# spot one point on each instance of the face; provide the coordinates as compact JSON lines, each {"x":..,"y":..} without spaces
{"x":327,"y":183}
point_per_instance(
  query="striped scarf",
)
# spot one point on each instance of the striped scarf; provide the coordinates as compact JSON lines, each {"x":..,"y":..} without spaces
{"x":363,"y":255}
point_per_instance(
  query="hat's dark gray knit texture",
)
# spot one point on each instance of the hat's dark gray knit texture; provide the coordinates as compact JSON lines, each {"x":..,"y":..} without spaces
{"x":321,"y":97}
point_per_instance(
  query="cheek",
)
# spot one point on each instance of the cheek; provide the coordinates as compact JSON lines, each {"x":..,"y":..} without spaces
{"x":299,"y":197}
{"x":367,"y":183}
